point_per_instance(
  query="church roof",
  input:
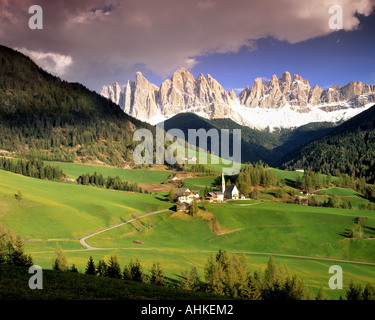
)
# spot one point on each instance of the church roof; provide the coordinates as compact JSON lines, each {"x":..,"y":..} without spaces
{"x":229,"y":188}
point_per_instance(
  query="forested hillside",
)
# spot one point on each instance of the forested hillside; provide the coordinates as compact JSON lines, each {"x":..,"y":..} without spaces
{"x":270,"y":147}
{"x":349,"y":149}
{"x":45,"y":117}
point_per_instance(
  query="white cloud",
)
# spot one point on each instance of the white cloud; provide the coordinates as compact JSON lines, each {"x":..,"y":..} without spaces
{"x":54,"y":63}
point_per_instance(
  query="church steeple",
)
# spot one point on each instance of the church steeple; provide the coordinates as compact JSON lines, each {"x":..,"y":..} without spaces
{"x":222,"y":183}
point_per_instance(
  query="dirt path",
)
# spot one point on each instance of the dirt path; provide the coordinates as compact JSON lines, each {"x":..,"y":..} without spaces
{"x":247,"y":204}
{"x":83,"y":242}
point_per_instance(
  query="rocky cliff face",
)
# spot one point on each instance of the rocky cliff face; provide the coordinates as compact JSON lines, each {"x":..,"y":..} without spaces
{"x":206,"y":97}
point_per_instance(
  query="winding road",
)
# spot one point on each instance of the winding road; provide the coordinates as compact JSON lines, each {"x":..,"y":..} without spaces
{"x":83,"y":242}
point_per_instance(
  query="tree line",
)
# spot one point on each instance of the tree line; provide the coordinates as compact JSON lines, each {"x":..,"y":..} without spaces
{"x":226,"y":275}
{"x":32,"y":168}
{"x":116,"y":183}
{"x":253,"y":176}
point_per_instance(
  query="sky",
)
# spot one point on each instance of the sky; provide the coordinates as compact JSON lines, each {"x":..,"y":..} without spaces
{"x":98,"y":42}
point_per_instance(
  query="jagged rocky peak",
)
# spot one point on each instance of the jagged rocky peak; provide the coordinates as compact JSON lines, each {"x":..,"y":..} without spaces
{"x":299,"y":91}
{"x":113,"y":93}
{"x":285,"y":82}
{"x":205,"y":96}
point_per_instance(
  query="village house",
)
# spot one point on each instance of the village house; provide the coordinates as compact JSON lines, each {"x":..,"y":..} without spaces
{"x":182,"y":207}
{"x":215,"y":196}
{"x":185,"y":195}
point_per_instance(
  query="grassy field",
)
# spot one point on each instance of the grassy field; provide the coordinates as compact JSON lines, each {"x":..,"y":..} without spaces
{"x":213,"y":162}
{"x":265,"y":227}
{"x":52,"y":210}
{"x":268,"y":228}
{"x":54,"y":213}
{"x":202,"y":182}
{"x":74,"y":170}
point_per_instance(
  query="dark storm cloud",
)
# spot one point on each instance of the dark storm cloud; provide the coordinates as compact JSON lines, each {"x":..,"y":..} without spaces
{"x":97,"y":42}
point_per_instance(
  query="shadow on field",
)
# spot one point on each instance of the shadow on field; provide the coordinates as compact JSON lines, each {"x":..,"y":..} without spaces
{"x":162,"y":198}
{"x":290,"y":183}
{"x":346,"y":233}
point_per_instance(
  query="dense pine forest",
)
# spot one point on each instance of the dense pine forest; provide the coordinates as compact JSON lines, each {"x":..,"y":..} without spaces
{"x":45,"y":117}
{"x":349,"y":149}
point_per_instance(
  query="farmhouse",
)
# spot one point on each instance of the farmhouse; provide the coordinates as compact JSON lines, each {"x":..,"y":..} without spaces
{"x":186,"y":195}
{"x":215,"y":196}
{"x":300,"y":170}
{"x":182,"y":207}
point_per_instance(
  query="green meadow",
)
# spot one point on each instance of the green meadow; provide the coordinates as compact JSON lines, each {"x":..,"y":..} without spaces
{"x":304,"y":238}
{"x":264,"y":227}
{"x":201,"y":183}
{"x":74,"y":170}
{"x":51,"y":210}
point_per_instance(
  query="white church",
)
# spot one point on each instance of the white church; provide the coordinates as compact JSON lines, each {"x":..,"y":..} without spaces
{"x":226,"y":193}
{"x":229,"y":192}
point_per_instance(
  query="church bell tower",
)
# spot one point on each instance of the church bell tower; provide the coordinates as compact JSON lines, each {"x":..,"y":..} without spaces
{"x":222,"y":183}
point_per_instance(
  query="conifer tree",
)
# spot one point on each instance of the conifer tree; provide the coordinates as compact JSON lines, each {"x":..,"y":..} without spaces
{"x":113,"y":267}
{"x":126,"y":273}
{"x":254,"y":292}
{"x":18,"y":256}
{"x":368,"y":292}
{"x":354,"y":292}
{"x":157,"y":275}
{"x":213,"y":277}
{"x":136,"y":271}
{"x":90,"y":267}
{"x":101,"y":268}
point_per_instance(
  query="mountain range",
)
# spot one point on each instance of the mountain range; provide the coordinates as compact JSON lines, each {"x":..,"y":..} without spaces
{"x":42,"y":116}
{"x":287,"y":102}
